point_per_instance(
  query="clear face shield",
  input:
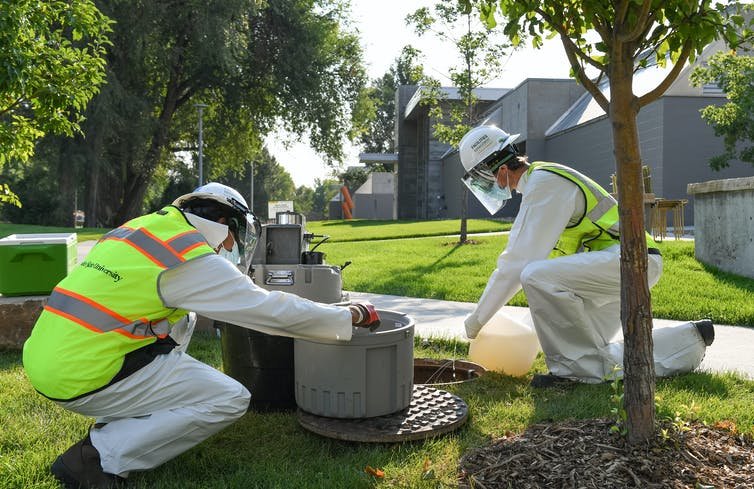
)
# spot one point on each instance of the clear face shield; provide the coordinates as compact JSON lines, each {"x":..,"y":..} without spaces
{"x":245,"y":232}
{"x":482,"y":182}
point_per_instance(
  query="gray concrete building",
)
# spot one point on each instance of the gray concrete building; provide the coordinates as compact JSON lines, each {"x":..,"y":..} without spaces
{"x":559,"y":121}
{"x":375,"y":199}
{"x":420,"y":187}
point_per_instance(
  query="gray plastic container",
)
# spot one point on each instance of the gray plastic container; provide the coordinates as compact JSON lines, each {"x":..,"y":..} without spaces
{"x":371,"y":375}
{"x":319,"y":283}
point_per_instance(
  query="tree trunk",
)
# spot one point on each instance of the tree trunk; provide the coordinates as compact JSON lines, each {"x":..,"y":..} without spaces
{"x":636,"y":311}
{"x":66,"y":170}
{"x":138,"y":178}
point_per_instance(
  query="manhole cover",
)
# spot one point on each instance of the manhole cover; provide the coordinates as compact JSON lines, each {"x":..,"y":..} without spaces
{"x":431,"y":412}
{"x":445,"y":372}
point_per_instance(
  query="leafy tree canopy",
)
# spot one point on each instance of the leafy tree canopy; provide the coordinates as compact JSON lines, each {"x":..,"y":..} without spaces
{"x":377,"y":136}
{"x":51,"y":64}
{"x":480,"y":55}
{"x":734,"y":120}
{"x":639,"y":32}
{"x":257,"y":66}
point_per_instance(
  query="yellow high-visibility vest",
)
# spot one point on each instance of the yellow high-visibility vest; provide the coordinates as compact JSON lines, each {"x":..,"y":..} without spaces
{"x":109,"y":305}
{"x":598,"y":228}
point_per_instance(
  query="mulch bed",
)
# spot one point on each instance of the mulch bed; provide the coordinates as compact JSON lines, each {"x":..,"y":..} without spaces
{"x":585,"y":454}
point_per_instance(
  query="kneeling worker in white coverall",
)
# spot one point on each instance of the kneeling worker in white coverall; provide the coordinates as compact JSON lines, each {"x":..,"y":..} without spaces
{"x":574,"y":297}
{"x":111,"y":341}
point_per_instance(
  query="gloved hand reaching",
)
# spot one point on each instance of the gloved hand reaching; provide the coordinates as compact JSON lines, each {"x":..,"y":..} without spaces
{"x":472,"y":325}
{"x":364,"y":315}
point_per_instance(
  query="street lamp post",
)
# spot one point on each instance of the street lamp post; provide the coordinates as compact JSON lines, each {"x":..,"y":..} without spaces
{"x":201,"y":108}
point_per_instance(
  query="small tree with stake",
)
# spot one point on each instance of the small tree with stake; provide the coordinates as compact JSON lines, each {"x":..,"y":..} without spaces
{"x":629,"y":34}
{"x":481,"y":61}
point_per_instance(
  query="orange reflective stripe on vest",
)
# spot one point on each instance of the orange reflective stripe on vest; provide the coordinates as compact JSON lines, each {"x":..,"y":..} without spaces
{"x":98,"y":318}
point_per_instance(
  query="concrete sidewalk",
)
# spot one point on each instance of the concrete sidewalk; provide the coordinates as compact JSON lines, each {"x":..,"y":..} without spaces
{"x":730,"y":352}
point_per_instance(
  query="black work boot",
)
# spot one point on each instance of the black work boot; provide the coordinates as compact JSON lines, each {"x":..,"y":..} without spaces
{"x":706,"y":330}
{"x":80,"y":468}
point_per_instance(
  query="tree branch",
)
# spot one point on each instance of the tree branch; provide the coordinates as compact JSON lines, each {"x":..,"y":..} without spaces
{"x":669,"y":79}
{"x":568,"y":42}
{"x":621,"y":9}
{"x":601,"y":27}
{"x":642,"y":21}
{"x":578,"y":70}
{"x":11,"y":106}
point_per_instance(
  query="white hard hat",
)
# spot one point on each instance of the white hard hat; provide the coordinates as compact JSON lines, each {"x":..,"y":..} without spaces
{"x":483,"y":150}
{"x":481,"y":143}
{"x":218,"y":192}
{"x":214,"y":200}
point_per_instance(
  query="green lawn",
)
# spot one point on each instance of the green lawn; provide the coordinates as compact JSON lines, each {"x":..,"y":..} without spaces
{"x":340,"y":230}
{"x":272,"y":451}
{"x":84,"y":234}
{"x":439,"y":268}
{"x":366,"y":230}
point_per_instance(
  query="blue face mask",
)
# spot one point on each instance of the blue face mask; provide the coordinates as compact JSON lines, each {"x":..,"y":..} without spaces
{"x":232,"y":256}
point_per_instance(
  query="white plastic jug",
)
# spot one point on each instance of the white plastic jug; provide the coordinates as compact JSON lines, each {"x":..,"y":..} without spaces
{"x":506,"y":345}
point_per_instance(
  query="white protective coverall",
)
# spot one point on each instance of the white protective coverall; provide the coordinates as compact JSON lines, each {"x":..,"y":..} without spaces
{"x":574,"y":300}
{"x":176,"y":401}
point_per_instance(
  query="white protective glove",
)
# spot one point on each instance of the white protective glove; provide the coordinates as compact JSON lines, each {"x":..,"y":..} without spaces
{"x":472,"y":325}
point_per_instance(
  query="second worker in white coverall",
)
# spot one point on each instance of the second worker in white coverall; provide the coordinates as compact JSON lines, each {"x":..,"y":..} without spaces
{"x":574,"y":296}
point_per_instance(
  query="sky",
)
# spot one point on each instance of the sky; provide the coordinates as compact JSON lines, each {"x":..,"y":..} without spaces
{"x":384,"y":33}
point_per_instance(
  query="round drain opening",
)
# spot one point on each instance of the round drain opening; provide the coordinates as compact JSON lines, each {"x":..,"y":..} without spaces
{"x":431,"y":371}
{"x":432,"y":412}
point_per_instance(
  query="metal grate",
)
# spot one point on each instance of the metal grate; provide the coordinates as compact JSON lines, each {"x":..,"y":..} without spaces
{"x":431,"y":412}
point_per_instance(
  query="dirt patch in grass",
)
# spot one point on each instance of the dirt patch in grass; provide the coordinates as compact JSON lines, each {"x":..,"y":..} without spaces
{"x":585,"y":454}
{"x":456,"y":243}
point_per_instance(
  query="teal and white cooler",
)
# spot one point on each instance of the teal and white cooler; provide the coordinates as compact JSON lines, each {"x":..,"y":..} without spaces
{"x":33,"y":264}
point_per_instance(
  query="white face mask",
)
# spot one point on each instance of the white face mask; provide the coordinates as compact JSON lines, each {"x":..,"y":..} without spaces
{"x":232,"y":256}
{"x":214,"y":232}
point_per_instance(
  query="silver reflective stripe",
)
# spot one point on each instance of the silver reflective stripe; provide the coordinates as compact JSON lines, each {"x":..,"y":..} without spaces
{"x":148,"y":245}
{"x":186,"y":241}
{"x":97,"y":318}
{"x":604,"y":202}
{"x":117,"y":233}
{"x":93,"y":316}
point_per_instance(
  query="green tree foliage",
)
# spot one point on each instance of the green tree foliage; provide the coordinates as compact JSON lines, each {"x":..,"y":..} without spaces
{"x":734,"y":120}
{"x":51,"y":65}
{"x":7,"y":196}
{"x":271,"y":182}
{"x":257,"y":65}
{"x":379,"y":134}
{"x":303,"y":202}
{"x":480,"y":56}
{"x":52,"y":59}
{"x":324,"y":191}
{"x":354,"y":177}
{"x":615,"y":39}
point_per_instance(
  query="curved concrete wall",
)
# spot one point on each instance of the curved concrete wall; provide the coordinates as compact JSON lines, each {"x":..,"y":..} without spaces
{"x":724,"y":224}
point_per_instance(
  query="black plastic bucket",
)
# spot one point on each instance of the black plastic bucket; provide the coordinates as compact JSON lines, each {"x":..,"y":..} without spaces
{"x":312,"y":258}
{"x":262,"y":363}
